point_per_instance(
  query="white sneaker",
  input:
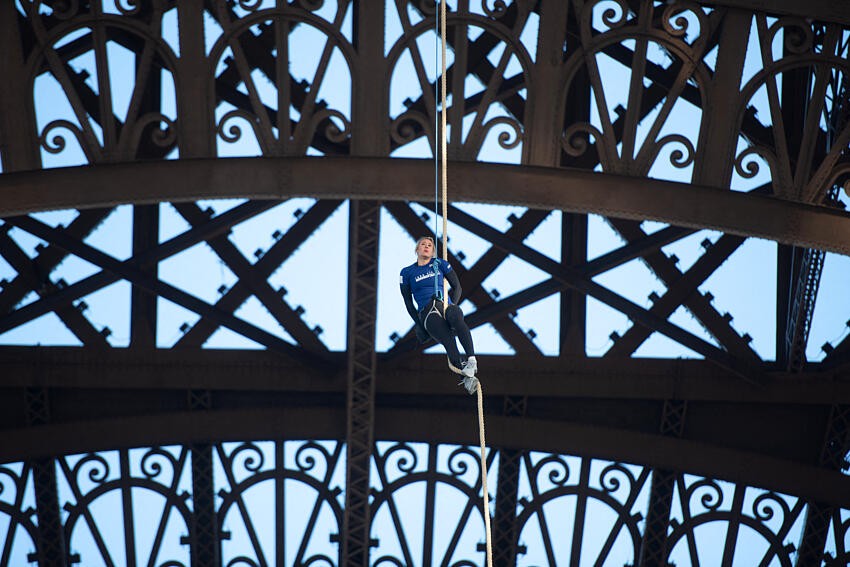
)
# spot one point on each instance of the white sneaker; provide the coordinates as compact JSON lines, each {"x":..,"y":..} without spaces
{"x":470,"y":383}
{"x":470,"y":367}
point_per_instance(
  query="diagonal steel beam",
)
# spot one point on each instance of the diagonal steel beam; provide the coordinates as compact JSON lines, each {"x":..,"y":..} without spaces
{"x":50,"y":257}
{"x":104,"y":278}
{"x":520,"y":229}
{"x":39,"y":281}
{"x":256,"y":282}
{"x":699,"y":305}
{"x":678,"y":292}
{"x":635,"y":248}
{"x":573,"y":278}
{"x":265,"y":266}
{"x":127,"y":270}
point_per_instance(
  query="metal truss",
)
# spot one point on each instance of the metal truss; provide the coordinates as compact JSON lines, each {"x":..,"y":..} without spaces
{"x":520,"y":417}
{"x":104,"y":483}
{"x":654,"y":549}
{"x":821,"y":517}
{"x":363,"y":298}
{"x":204,"y":530}
{"x":528,"y":78}
{"x":50,"y":542}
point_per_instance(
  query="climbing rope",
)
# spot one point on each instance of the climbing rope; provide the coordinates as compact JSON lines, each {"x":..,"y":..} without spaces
{"x":444,"y":182}
{"x":489,"y":538}
{"x":444,"y":175}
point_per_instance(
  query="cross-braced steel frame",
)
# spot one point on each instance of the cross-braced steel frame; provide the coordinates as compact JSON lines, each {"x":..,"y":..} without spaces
{"x":765,"y":157}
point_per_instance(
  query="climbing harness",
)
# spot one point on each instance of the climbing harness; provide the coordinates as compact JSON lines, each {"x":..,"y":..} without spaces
{"x":441,"y":294}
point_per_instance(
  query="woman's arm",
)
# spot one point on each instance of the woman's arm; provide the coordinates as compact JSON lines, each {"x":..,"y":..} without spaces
{"x":421,"y":333}
{"x":456,"y":289}
{"x":408,"y":303}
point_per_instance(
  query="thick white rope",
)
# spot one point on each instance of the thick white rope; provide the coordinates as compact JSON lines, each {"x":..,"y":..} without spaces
{"x":489,"y":537}
{"x":444,"y":176}
{"x":444,"y":180}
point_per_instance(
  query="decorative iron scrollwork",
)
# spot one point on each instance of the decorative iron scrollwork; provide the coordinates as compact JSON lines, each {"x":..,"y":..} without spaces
{"x":440,"y":482}
{"x":425,"y":497}
{"x":263,"y":473}
{"x":601,"y":494}
{"x":97,"y":485}
{"x":767,"y":517}
{"x":15,"y":511}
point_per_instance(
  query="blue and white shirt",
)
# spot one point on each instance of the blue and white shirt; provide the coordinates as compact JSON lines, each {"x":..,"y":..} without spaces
{"x":420,"y":279}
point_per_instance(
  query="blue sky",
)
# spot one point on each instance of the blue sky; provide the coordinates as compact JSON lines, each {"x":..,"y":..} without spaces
{"x":744,"y":286}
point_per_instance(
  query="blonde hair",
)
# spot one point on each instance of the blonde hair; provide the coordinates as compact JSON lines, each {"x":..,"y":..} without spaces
{"x":418,"y":242}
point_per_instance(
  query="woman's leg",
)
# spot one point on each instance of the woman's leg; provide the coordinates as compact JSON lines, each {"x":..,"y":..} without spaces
{"x":432,"y":319}
{"x":454,"y":317}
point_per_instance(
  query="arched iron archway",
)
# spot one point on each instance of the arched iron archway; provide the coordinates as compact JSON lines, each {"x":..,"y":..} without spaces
{"x":776,"y":423}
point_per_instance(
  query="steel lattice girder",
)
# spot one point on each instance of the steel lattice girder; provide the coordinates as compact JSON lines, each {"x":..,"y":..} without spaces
{"x":412,"y":423}
{"x":598,"y":408}
{"x":819,"y":9}
{"x":629,"y":432}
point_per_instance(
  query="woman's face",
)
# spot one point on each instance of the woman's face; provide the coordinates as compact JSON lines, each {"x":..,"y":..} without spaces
{"x":425,"y":248}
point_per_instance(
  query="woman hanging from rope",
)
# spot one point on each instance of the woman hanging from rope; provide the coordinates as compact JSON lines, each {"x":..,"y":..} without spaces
{"x":422,"y":282}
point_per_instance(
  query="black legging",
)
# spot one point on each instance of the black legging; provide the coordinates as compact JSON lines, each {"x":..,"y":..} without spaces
{"x":444,"y":329}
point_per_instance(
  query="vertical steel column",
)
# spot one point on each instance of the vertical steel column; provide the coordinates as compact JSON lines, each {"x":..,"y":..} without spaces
{"x":573,"y":303}
{"x":545,"y":105}
{"x":204,"y":548}
{"x":369,"y":137}
{"x":653,"y":549}
{"x":819,"y":514}
{"x":815,"y":531}
{"x":362,"y":308}
{"x":370,"y":128}
{"x":50,"y":543}
{"x":18,"y":136}
{"x":550,"y":111}
{"x":142,"y":303}
{"x":505,"y":536}
{"x":784,"y":272}
{"x":801,"y":308}
{"x":794,"y":94}
{"x":717,"y":138}
{"x":195,"y":90}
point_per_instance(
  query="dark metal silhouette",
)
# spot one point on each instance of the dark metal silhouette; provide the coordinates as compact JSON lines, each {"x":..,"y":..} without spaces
{"x":644,"y":453}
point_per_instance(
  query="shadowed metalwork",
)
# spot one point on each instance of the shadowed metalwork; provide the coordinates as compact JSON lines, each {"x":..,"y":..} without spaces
{"x":679,"y":128}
